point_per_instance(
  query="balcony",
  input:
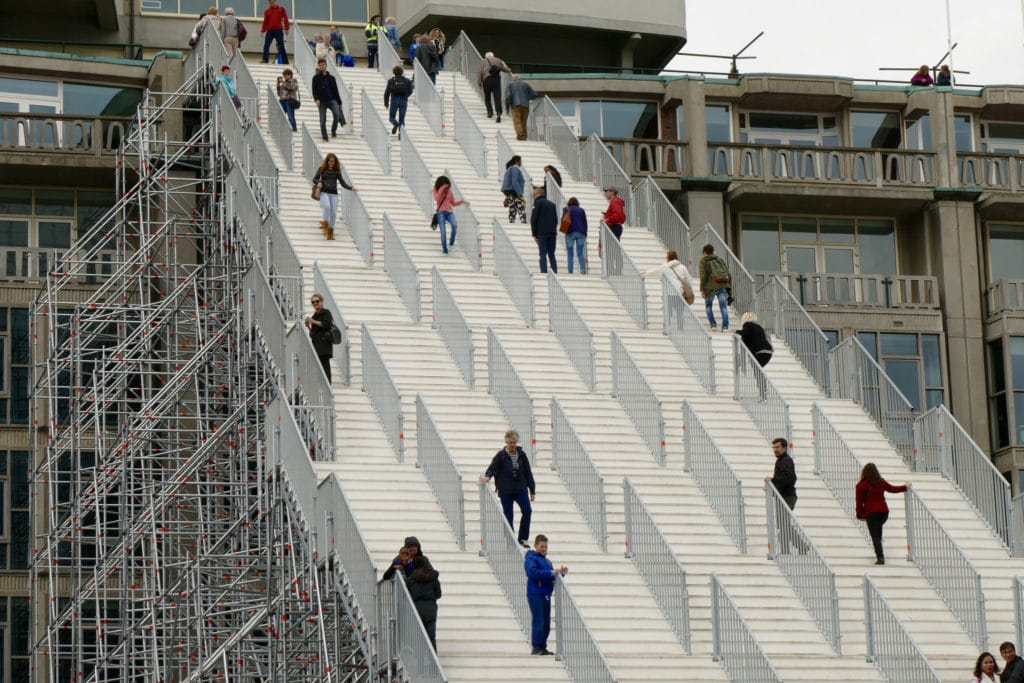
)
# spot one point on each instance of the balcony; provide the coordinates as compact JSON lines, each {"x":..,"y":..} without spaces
{"x":640,"y":157}
{"x":81,"y":136}
{"x":991,"y":171}
{"x":870,"y":291}
{"x":1004,"y":296}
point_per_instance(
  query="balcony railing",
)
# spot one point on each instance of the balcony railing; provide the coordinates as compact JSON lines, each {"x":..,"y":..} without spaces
{"x":1004,"y":295}
{"x":991,"y":171}
{"x":833,"y":165}
{"x":649,"y":157}
{"x":857,"y":289}
{"x":86,"y":135}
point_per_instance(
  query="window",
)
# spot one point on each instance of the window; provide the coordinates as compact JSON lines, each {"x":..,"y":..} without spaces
{"x":912,"y":361}
{"x":964,"y":132}
{"x":14,"y":638}
{"x":809,"y":244}
{"x":15,"y":538}
{"x":342,"y":11}
{"x":999,"y":416}
{"x":680,"y":123}
{"x":919,"y":133}
{"x":1005,"y":251}
{"x":875,"y":129}
{"x":783,"y":128}
{"x":719,"y":123}
{"x":611,"y":119}
{"x":15,"y":343}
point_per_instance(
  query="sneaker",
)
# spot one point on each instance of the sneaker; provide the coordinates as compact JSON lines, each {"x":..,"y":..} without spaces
{"x":537,"y":651}
{"x":334,"y":133}
{"x":524,"y":544}
{"x":497,"y":120}
{"x":729,"y":301}
{"x":725,"y":329}
{"x":880,"y":561}
{"x":547,"y":652}
{"x":394,"y":129}
{"x":714,"y":327}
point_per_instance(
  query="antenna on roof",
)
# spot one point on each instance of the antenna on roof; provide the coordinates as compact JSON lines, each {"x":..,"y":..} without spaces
{"x":733,"y":71}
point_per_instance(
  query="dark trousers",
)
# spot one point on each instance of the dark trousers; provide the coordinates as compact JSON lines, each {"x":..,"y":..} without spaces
{"x":614,"y":257}
{"x":396,"y":111}
{"x":546,"y":244}
{"x":525,"y":512}
{"x":371,"y":55}
{"x":762,"y":385}
{"x":492,"y":93}
{"x":278,"y":35}
{"x":336,"y":113}
{"x":289,"y":111}
{"x":431,"y":628}
{"x":788,"y":540}
{"x":540,"y":627}
{"x":876,"y":520}
{"x":325,"y":361}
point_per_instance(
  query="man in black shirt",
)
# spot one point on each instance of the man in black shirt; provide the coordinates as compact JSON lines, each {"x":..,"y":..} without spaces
{"x":327,"y":96}
{"x":784,"y":481}
{"x":1013,"y":672}
{"x":544,"y":226}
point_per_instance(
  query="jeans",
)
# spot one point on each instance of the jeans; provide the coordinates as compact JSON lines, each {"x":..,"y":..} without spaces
{"x":329,"y":203}
{"x":525,"y":511}
{"x":492,"y":93}
{"x":876,"y":520}
{"x":577,"y":241}
{"x":278,"y":35}
{"x":335,"y":113}
{"x":721,"y":295}
{"x":546,"y":245}
{"x":371,"y":55}
{"x":443,"y":218}
{"x":540,"y":628}
{"x":433,"y":77}
{"x":286,"y":105}
{"x":399,"y":103}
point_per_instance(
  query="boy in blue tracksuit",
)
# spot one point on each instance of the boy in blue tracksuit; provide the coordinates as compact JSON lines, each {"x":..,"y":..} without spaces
{"x":540,"y":584}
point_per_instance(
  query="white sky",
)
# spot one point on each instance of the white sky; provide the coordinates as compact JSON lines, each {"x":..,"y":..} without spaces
{"x":854,"y":39}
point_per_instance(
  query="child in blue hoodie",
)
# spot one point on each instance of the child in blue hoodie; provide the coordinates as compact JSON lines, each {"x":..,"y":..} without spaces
{"x":540,"y":584}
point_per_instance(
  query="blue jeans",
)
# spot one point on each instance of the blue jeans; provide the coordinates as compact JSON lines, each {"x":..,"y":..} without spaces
{"x":443,"y":218}
{"x":722,"y":296}
{"x":577,"y":241}
{"x":525,"y":512}
{"x":546,"y":245}
{"x":329,"y":203}
{"x":540,"y":628}
{"x":399,"y":104}
{"x":278,"y":35}
{"x":286,"y":105}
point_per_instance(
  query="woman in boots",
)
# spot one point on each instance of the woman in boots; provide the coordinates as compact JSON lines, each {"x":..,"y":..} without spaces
{"x":328,"y":178}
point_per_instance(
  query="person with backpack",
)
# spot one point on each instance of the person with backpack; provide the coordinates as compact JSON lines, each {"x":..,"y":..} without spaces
{"x":488,"y":78}
{"x":714,"y":284}
{"x":372,"y":31}
{"x":396,"y":99}
{"x":321,"y":333}
{"x":871,"y":506}
{"x":231,"y":31}
{"x":338,"y":44}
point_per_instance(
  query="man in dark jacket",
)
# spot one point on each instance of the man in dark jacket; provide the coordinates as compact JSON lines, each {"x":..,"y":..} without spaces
{"x":396,"y":98}
{"x":320,"y":326}
{"x":426,"y":55}
{"x":540,"y":584}
{"x":784,"y":477}
{"x":425,"y":590}
{"x":327,"y":96}
{"x":514,"y":480}
{"x":1014,"y":670}
{"x":544,"y":226}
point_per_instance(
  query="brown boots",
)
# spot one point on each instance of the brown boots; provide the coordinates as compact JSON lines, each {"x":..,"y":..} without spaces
{"x":327,"y":230}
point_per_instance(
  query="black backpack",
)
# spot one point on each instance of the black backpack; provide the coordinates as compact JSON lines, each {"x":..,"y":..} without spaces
{"x":400,"y":86}
{"x":494,"y":71}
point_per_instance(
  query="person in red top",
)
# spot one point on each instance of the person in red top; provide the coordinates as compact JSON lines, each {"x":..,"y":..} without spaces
{"x":871,"y":506}
{"x":446,"y":203}
{"x":615,"y":215}
{"x":275,"y":27}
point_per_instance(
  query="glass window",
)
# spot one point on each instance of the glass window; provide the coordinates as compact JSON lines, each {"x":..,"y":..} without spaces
{"x":877,"y":242}
{"x":932,"y":360}
{"x":566,"y":108}
{"x":870,"y":342}
{"x":629,"y":119}
{"x":796,"y":229}
{"x":998,"y":413}
{"x":24,"y":86}
{"x":919,"y":133}
{"x":899,"y":344}
{"x":906,"y":374}
{"x":875,"y":129}
{"x":91,"y":207}
{"x":760,"y":242}
{"x":779,"y":122}
{"x":14,"y":233}
{"x":718,"y":123}
{"x":833,"y":338}
{"x":837,"y":231}
{"x":100,"y":100}
{"x":964,"y":133}
{"x":1006,"y":251}
{"x":680,"y":123}
{"x":590,"y":118}
{"x":55,"y":203}
{"x":54,"y":234}
{"x":15,"y":201}
{"x":312,"y":9}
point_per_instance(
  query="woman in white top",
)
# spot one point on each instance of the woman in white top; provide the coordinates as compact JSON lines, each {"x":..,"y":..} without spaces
{"x":672,"y":265}
{"x":985,"y":669}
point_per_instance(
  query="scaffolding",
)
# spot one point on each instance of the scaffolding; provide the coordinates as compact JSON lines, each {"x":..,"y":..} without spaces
{"x":170,"y":544}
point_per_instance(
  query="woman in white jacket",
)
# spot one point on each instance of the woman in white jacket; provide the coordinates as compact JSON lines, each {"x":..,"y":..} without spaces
{"x":673,"y":265}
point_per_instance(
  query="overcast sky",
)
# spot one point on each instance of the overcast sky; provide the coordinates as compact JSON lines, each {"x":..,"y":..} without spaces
{"x":834,"y":37}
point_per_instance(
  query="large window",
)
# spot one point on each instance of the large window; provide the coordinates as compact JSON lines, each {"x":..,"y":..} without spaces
{"x":67,"y":97}
{"x":718,"y":122}
{"x":14,"y":366}
{"x":343,"y":11}
{"x":784,"y":128}
{"x":964,"y":132}
{"x":815,"y":244}
{"x":1002,"y":138}
{"x":14,"y":515}
{"x":612,"y":119}
{"x":1006,"y":391}
{"x":875,"y":129}
{"x":1005,"y":251}
{"x":912,"y":361}
{"x":15,"y":635}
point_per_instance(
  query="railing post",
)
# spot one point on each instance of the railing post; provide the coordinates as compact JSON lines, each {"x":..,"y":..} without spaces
{"x":772,"y":528}
{"x":716,"y":622}
{"x":911,"y":539}
{"x":945,"y":446}
{"x":628,"y":512}
{"x":869,"y":623}
{"x":559,"y":618}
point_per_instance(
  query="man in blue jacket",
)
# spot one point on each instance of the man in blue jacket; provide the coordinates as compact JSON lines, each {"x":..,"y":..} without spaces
{"x":544,"y":225}
{"x":540,"y":584}
{"x":511,"y":468}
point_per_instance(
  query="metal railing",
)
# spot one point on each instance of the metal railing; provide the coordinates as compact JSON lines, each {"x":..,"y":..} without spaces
{"x":854,"y":375}
{"x":947,"y":568}
{"x":412,"y":646}
{"x":280,"y":127}
{"x":681,"y":325}
{"x":417,"y":174}
{"x":742,"y":282}
{"x":638,"y":398}
{"x":387,"y":57}
{"x":548,"y":124}
{"x":245,"y":86}
{"x":462,"y":56}
{"x":514,"y":274}
{"x":311,"y":158}
{"x":734,"y":645}
{"x":715,"y":476}
{"x":872,"y":290}
{"x":555,"y":193}
{"x":453,"y":328}
{"x":509,"y":390}
{"x":758,"y":395}
{"x":576,"y":645}
{"x":569,"y":325}
{"x":625,"y":279}
{"x":605,"y":171}
{"x":305,"y":63}
{"x":430,"y":98}
{"x":571,"y":459}
{"x":375,"y":132}
{"x":343,"y":351}
{"x":499,"y":545}
{"x":890,"y":647}
{"x":647,"y":546}
{"x":470,"y":137}
{"x":286,"y":449}
{"x":358,"y":220}
{"x":783,"y":316}
{"x":402,"y":269}
{"x":803,"y":566}
{"x":1017,"y":526}
{"x":435,"y":459}
{"x":383,"y":392}
{"x":836,"y":464}
{"x":942,"y":445}
{"x":84,"y":135}
{"x":468,"y":236}
{"x":653,"y":210}
{"x":1018,"y":609}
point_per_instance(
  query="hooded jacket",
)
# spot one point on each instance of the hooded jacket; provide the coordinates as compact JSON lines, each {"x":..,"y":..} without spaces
{"x":425,"y":590}
{"x":540,"y":574}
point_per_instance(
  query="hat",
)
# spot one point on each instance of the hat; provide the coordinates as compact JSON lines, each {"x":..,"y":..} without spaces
{"x":411,"y":541}
{"x":610,"y":189}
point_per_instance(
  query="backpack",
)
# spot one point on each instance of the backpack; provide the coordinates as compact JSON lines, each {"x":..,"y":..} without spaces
{"x":719,"y":271}
{"x":335,"y":334}
{"x":399,"y":87}
{"x":494,"y":71}
{"x":242,"y":32}
{"x":338,"y":43}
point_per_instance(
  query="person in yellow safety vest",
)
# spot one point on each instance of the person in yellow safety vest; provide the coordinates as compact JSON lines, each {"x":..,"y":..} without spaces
{"x":372,"y":30}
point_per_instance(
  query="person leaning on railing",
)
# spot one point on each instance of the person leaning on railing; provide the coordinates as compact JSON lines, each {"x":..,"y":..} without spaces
{"x":513,"y":477}
{"x":871,"y":505}
{"x":425,"y":590}
{"x":288,"y":95}
{"x":540,"y":584}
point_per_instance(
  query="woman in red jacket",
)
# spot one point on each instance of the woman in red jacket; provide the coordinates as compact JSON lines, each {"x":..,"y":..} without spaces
{"x":871,"y":505}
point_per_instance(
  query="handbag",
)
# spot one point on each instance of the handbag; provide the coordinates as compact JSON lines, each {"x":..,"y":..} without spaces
{"x":315,"y":194}
{"x":566,"y":223}
{"x":295,"y":104}
{"x":433,"y":221}
{"x":335,"y":334}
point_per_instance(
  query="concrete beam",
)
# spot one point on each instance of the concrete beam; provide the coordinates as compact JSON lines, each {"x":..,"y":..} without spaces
{"x":106,"y":14}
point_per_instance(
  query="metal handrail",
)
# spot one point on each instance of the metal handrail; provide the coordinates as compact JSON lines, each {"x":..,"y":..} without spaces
{"x":263,"y":171}
{"x":412,"y":646}
{"x":470,"y":137}
{"x":734,"y":645}
{"x":513,"y":273}
{"x":656,"y":212}
{"x":1017,"y":526}
{"x":343,"y":351}
{"x":567,"y":322}
{"x":245,"y":86}
{"x":576,"y":645}
{"x":499,"y":545}
{"x":1018,"y":609}
{"x":387,"y":57}
{"x":742,"y":281}
{"x":606,"y":172}
{"x":463,"y":56}
{"x":947,"y":567}
{"x":681,"y":325}
{"x":638,"y":398}
{"x":417,"y":174}
{"x":453,"y":328}
{"x":625,"y":279}
{"x":468,"y":236}
{"x":783,"y":316}
{"x":430,"y":98}
{"x":890,"y":647}
{"x":836,"y":463}
{"x":284,"y":267}
{"x":571,"y":459}
{"x":382,"y":390}
{"x":854,"y":375}
{"x":555,"y":193}
{"x":942,"y":444}
{"x":435,"y":459}
{"x":757,"y":394}
{"x":280,"y":128}
{"x":375,"y":132}
{"x":803,"y":565}
{"x":402,"y":270}
{"x":509,"y":390}
{"x":357,"y":219}
{"x":548,"y":124}
{"x":647,"y":546}
{"x":715,"y":476}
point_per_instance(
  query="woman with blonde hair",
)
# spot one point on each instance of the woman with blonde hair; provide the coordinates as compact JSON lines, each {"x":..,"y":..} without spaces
{"x":437,"y":38}
{"x":871,"y":506}
{"x":755,"y":338}
{"x":210,"y":19}
{"x":326,"y":181}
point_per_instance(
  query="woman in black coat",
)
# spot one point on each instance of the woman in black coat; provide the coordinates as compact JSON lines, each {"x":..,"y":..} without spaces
{"x":320,"y":326}
{"x":756,"y":339}
{"x":425,"y":590}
